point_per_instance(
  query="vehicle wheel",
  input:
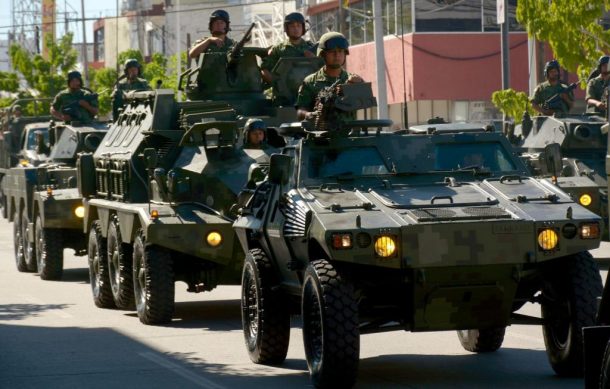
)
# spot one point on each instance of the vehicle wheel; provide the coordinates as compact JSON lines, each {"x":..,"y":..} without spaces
{"x":98,"y":268}
{"x":604,"y":377}
{"x":482,"y":341}
{"x":569,"y":303}
{"x":49,"y":251}
{"x":330,"y":326}
{"x":18,"y":243}
{"x":28,"y":246}
{"x":119,"y":268}
{"x":153,"y":281}
{"x":264,"y":316}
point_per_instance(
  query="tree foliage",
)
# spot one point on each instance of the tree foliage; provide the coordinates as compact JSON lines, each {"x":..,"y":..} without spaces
{"x":512,"y":103}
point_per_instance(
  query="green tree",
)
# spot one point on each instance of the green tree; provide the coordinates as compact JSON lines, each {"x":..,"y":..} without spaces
{"x":102,"y":82}
{"x":512,"y":103}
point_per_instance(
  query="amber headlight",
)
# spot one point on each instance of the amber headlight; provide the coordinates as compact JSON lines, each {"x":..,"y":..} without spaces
{"x":547,"y":239}
{"x":585,"y":200}
{"x":385,"y":246}
{"x":214,"y":239}
{"x":589,"y":231}
{"x":79,"y":211}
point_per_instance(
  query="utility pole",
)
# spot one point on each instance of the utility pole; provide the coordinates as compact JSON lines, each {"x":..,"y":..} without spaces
{"x":502,"y":8}
{"x":85,"y":61}
{"x":178,"y":54}
{"x":382,"y":98}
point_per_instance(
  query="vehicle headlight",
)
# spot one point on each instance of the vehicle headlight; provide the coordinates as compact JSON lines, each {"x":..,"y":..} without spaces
{"x":214,"y":239}
{"x":385,"y":246}
{"x":79,"y":211}
{"x":547,"y":239}
{"x":585,"y":200}
{"x":342,"y":241}
{"x":589,"y":230}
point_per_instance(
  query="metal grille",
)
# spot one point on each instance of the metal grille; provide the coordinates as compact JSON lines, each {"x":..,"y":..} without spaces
{"x":432,"y":213}
{"x":485,"y":212}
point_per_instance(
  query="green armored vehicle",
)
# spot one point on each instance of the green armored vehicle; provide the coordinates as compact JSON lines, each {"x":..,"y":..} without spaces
{"x":362,"y":230}
{"x":583,"y":147}
{"x":43,"y":201}
{"x":159,"y":207}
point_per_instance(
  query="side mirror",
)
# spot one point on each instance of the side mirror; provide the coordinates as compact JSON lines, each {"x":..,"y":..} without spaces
{"x":150,"y":158}
{"x":552,"y":159}
{"x":279,"y":168}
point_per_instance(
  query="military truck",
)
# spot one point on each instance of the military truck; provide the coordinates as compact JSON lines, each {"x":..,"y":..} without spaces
{"x":361,"y":231}
{"x":159,"y":207}
{"x":583,"y":150}
{"x":43,"y":202}
{"x":18,"y":136}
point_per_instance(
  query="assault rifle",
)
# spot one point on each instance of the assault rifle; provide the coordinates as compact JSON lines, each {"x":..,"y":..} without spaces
{"x":554,"y":102}
{"x":74,"y":109}
{"x":236,"y":50}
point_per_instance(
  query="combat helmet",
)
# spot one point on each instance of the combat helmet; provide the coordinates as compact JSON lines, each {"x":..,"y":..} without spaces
{"x":332,"y":40}
{"x":294,"y":17}
{"x":551,"y":65}
{"x":75,"y":74}
{"x":254,"y":124}
{"x":220,"y":14}
{"x":603,"y":60}
{"x":132,"y":63}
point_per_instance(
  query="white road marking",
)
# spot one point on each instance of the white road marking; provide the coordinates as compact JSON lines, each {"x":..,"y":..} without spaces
{"x":181,"y":371}
{"x":35,"y":300}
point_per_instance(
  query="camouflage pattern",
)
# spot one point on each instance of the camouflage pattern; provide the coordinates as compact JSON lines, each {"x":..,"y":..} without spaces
{"x":67,"y":98}
{"x":545,"y":91}
{"x":213,"y":48}
{"x":286,"y":49}
{"x":313,"y":84}
{"x":595,"y":90}
{"x":126,"y":85}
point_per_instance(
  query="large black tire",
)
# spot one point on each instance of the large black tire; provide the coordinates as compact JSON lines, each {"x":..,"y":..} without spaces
{"x":98,"y":268}
{"x":18,"y":243}
{"x":604,"y":377}
{"x":482,"y":341}
{"x":119,"y":268}
{"x":29,"y":251}
{"x":569,"y":303}
{"x":153,"y":281}
{"x":330,"y":327}
{"x":264,"y":315}
{"x":49,"y":251}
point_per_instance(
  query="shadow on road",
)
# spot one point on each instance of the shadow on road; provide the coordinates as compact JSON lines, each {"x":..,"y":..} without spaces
{"x":21,"y":311}
{"x":76,"y":275}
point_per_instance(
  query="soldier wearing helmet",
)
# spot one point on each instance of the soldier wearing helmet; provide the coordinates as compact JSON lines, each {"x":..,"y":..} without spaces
{"x":550,"y":88}
{"x":255,"y":132}
{"x":130,"y":81}
{"x":333,"y":48}
{"x":294,"y":46}
{"x":597,"y":88}
{"x":219,"y":27}
{"x":74,"y":102}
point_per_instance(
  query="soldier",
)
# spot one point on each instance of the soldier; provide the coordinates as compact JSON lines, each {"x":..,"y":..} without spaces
{"x":294,"y":46}
{"x":219,"y":27}
{"x":596,"y":88}
{"x":74,"y":102}
{"x":333,"y":48}
{"x":550,"y":88}
{"x":131,"y":82}
{"x":255,"y":132}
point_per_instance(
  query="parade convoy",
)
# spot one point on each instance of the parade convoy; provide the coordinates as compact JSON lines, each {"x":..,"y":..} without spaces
{"x":356,"y":228}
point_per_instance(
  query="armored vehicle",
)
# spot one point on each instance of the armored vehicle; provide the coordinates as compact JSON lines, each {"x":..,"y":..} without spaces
{"x":583,"y":150}
{"x":363,"y":231}
{"x":43,"y":202}
{"x":159,"y":207}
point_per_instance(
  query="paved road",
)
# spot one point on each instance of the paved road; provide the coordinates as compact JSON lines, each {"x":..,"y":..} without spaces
{"x":52,"y":336}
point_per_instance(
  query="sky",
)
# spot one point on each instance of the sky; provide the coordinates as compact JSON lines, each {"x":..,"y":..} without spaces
{"x":93,"y":9}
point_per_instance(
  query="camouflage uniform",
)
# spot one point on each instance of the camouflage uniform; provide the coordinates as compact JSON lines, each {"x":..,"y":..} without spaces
{"x":126,"y":86}
{"x":212,"y":48}
{"x":545,"y":91}
{"x":595,"y":90}
{"x":313,"y":84}
{"x":286,"y":49}
{"x":67,"y":98}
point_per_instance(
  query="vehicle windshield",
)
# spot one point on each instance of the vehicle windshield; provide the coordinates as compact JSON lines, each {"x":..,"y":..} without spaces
{"x":31,"y":141}
{"x":358,"y":161}
{"x":465,"y":156}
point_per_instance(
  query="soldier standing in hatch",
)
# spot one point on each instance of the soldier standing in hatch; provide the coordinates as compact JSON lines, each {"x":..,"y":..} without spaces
{"x":294,"y":46}
{"x":597,"y":86}
{"x":219,"y":27}
{"x":549,"y":88}
{"x":333,"y":48}
{"x":255,"y":133}
{"x":131,"y":82}
{"x":74,"y":102}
